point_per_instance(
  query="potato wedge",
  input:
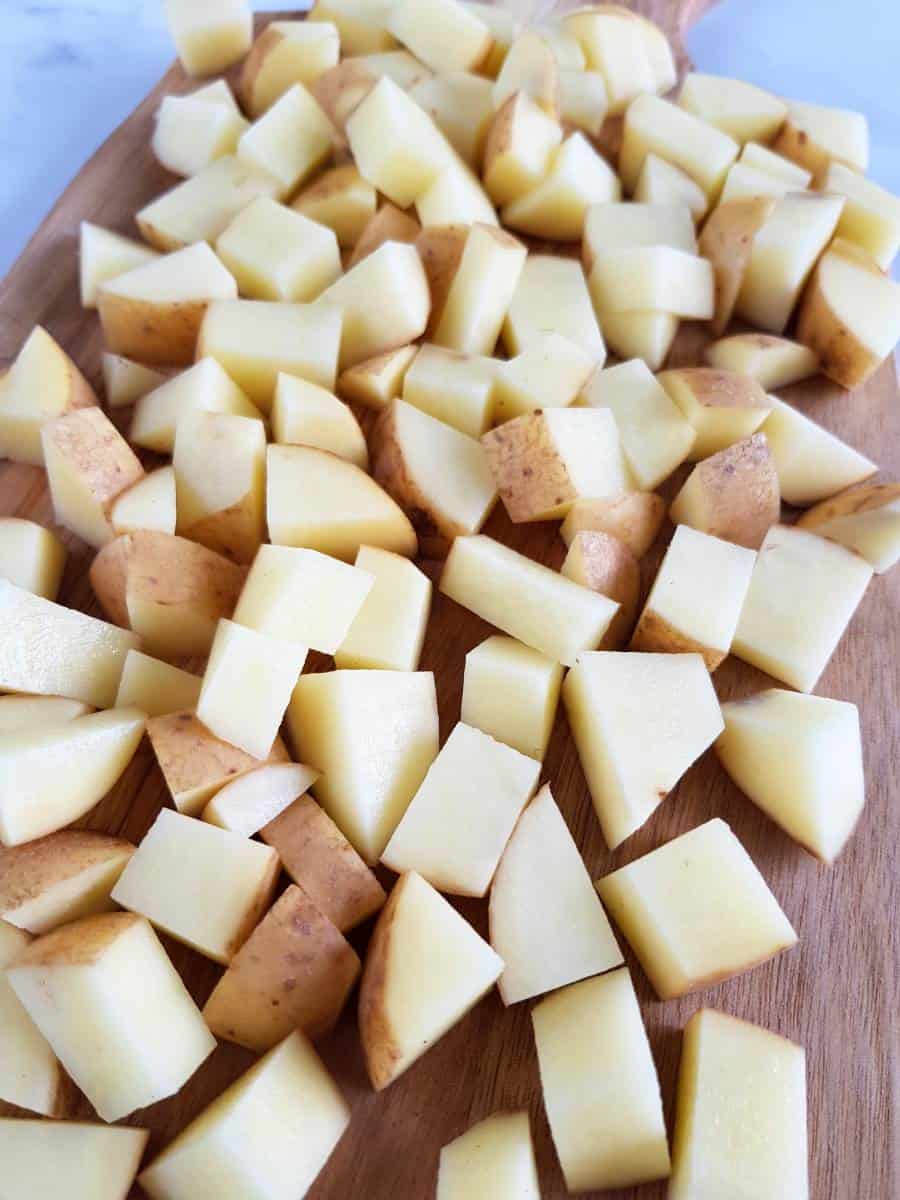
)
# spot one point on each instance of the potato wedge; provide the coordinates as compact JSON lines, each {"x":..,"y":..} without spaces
{"x":871,"y":215}
{"x":496,"y":1154}
{"x":126,"y":381}
{"x":549,"y":373}
{"x":530,"y":67}
{"x":552,"y":297}
{"x":456,"y":388}
{"x":33,"y":712}
{"x":86,"y":1160}
{"x":389,"y":630}
{"x":661,"y":182}
{"x":305,"y":414}
{"x":203,"y":387}
{"x":444,"y":34}
{"x":657,"y":126}
{"x":193,"y":131}
{"x":511,"y":692}
{"x":461,"y":105}
{"x":577,"y":177}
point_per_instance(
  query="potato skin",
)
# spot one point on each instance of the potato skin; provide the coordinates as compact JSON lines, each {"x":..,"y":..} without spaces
{"x":634,"y":518}
{"x":379,"y":1042}
{"x":531,"y":478}
{"x":727,"y":241}
{"x":80,"y":943}
{"x":842,"y":356}
{"x":340,"y":90}
{"x":860,"y":498}
{"x":655,"y":635}
{"x":27,"y":870}
{"x":160,"y":333}
{"x":268,"y":40}
{"x":389,"y":224}
{"x":611,"y":569}
{"x":738,"y":488}
{"x":441,"y":249}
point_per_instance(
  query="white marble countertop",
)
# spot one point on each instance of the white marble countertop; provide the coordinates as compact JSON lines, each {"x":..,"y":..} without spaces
{"x":74,"y":69}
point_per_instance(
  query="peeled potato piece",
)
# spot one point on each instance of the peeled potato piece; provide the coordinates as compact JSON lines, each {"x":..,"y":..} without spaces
{"x":209,"y":35}
{"x":31,"y":557}
{"x":657,"y":126}
{"x":812,"y":464}
{"x":746,"y":112}
{"x":493,"y":1156}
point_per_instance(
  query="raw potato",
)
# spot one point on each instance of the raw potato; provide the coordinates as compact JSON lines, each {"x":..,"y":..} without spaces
{"x":389,"y":224}
{"x":196,"y":764}
{"x":616,"y":48}
{"x":274,"y":1128}
{"x":377,"y":381}
{"x":86,"y":985}
{"x":156,"y":688}
{"x":90,"y":656}
{"x":803,"y":592}
{"x":43,"y":1160}
{"x":583,"y":102}
{"x":295,"y":971}
{"x":43,"y":383}
{"x":89,"y":464}
{"x":444,"y":34}
{"x":426,"y":967}
{"x":746,"y":112}
{"x":552,"y":297}
{"x":763,"y":159}
{"x":657,"y":126}
{"x":722,"y":406}
{"x":439,"y":476}
{"x":646,"y":335}
{"x":774,"y":748}
{"x":696,"y":598}
{"x":388,"y":631}
{"x":815,"y":136}
{"x":209,"y":35}
{"x":871,"y":215}
{"x":306,"y":414}
{"x":462,"y":816}
{"x":511,"y":692}
{"x":147,"y":504}
{"x":865,"y":518}
{"x":545,"y":461}
{"x":341,"y":199}
{"x":548,"y":373}
{"x":504,"y":28}
{"x":812,"y":464}
{"x":518,"y":148}
{"x":743,"y":181}
{"x":774,"y":362}
{"x":727,"y":241}
{"x":462,"y":107}
{"x":103,"y":255}
{"x":31,"y":557}
{"x":125,"y":381}
{"x":30,"y":1076}
{"x":576,"y":178}
{"x":494,"y":1158}
{"x":34,"y":712}
{"x":602,"y":563}
{"x":478,"y":294}
{"x":696,"y":911}
{"x":366,"y":784}
{"x":626,"y":226}
{"x":602,"y":1100}
{"x":204,"y":387}
{"x":546,"y":921}
{"x":741,"y":1112}
{"x":732,"y":495}
{"x":360,"y":23}
{"x":315,"y":853}
{"x":530,"y":67}
{"x":193,"y":131}
{"x":632,"y":517}
{"x":457,"y":389}
{"x":317,"y":500}
{"x":253,"y":800}
{"x":236,"y":877}
{"x":639,"y":721}
{"x":154,"y":312}
{"x":653,"y":279}
{"x":285,"y":53}
{"x":455,"y":196}
{"x":289,"y":141}
{"x":661,"y":182}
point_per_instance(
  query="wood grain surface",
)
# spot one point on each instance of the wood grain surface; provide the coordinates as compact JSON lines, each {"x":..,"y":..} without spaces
{"x":836,"y":993}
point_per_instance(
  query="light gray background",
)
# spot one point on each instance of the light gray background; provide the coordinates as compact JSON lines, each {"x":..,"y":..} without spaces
{"x":74,"y":69}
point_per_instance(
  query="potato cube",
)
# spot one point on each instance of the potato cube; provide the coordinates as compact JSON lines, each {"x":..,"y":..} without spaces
{"x":155,"y":687}
{"x":616,"y":47}
{"x":661,"y":182}
{"x":546,"y":921}
{"x":147,"y":504}
{"x":583,"y":100}
{"x":285,"y":53}
{"x":315,"y":853}
{"x":812,"y":464}
{"x":602,"y":563}
{"x":104,"y":255}
{"x":576,"y":178}
{"x":774,"y":362}
{"x":360,"y":23}
{"x":377,"y":381}
{"x":425,"y":969}
{"x":504,"y":28}
{"x":518,"y":148}
{"x":31,"y":557}
{"x":461,"y":105}
{"x":455,"y":197}
{"x":125,"y":381}
{"x":253,"y":800}
{"x":743,"y":181}
{"x":86,"y":986}
{"x":444,"y":34}
{"x":289,"y":141}
{"x":548,"y":373}
{"x":306,"y":414}
{"x":732,"y":495}
{"x":209,"y":35}
{"x":634,"y":518}
{"x":639,"y":721}
{"x":341,"y":199}
{"x":741,"y":1112}
{"x":204,"y":387}
{"x":746,"y":112}
{"x":696,"y":911}
{"x":530,"y":66}
{"x":455,"y":388}
{"x":389,"y":224}
{"x":34,"y":712}
{"x":657,"y":126}
{"x":552,"y":297}
{"x":815,"y":135}
{"x":626,"y":226}
{"x":871,"y":215}
{"x":511,"y":693}
{"x":192,"y":132}
{"x":865,"y":518}
{"x":388,"y":631}
{"x":722,"y":406}
{"x":494,"y":1157}
{"x":30,"y":1076}
{"x":761,"y":158}
{"x":268,"y":1135}
{"x":81,"y":1161}
{"x":545,"y":461}
{"x":236,"y":877}
{"x":480,"y":292}
{"x":600,"y":1086}
{"x":646,"y":335}
{"x":727,"y":240}
{"x":275,"y":253}
{"x":653,"y":279}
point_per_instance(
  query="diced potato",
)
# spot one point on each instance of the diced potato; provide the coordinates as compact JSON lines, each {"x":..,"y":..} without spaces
{"x":627,"y":226}
{"x":303,"y":597}
{"x":31,"y":557}
{"x":295,"y":971}
{"x":156,"y":688}
{"x":545,"y":461}
{"x":306,"y":414}
{"x":463,"y":814}
{"x":289,"y":141}
{"x":147,"y":504}
{"x":774,"y":748}
{"x":209,"y":35}
{"x":59,"y":878}
{"x":518,"y":148}
{"x":341,"y":199}
{"x":88,"y":654}
{"x":850,"y":315}
{"x":104,"y":255}
{"x":389,"y":224}
{"x":203,"y":387}
{"x":455,"y":197}
{"x":200,"y":208}
{"x":285,"y":53}
{"x":722,"y":406}
{"x":316,"y":500}
{"x":815,"y":135}
{"x":600,"y":1086}
{"x":530,"y":602}
{"x":125,"y":381}
{"x":30,"y":1076}
{"x":259,"y":797}
{"x":275,"y":253}
{"x":576,"y":178}
{"x":548,"y":373}
{"x":379,"y":380}
{"x":530,"y":67}
{"x":732,"y":495}
{"x":871,"y":215}
{"x":774,"y":362}
{"x":583,"y":100}
{"x":462,"y":107}
{"x":616,"y":48}
{"x":657,"y":126}
{"x":741,"y":1112}
{"x":315,"y":853}
{"x":196,"y":764}
{"x":479,"y":292}
{"x":865,"y":518}
{"x":256,"y":340}
{"x":661,"y":182}
{"x":504,"y":28}
{"x":727,"y":241}
{"x":439,"y":476}
{"x":546,"y":921}
{"x":43,"y":1159}
{"x":342,"y":89}
{"x":444,"y":34}
{"x":388,"y":631}
{"x":453,"y":387}
{"x":744,"y":111}
{"x":802,"y":594}
{"x":602,"y":563}
{"x":632,"y":517}
{"x":552,"y":297}
{"x":86,"y":986}
{"x":639,"y":721}
{"x":696,"y":911}
{"x":812,"y":464}
{"x":366,"y":784}
{"x":646,"y":335}
{"x":154,"y":312}
{"x":218,"y":91}
{"x":656,"y":437}
{"x":425,"y":969}
{"x":191,"y":132}
{"x":494,"y":1157}
{"x":236,"y":877}
{"x":744,"y":181}
{"x":34,"y":712}
{"x":653,"y":279}
{"x":761,"y":158}
{"x":276,"y":1125}
{"x":360,"y":23}
{"x":511,"y":692}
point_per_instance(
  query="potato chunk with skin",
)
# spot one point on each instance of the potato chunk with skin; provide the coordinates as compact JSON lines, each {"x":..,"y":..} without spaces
{"x":103,"y":255}
{"x":43,"y":1159}
{"x":530,"y":66}
{"x":209,"y":35}
{"x":31,"y":557}
{"x":285,"y":53}
{"x":653,"y":279}
{"x":236,"y":876}
{"x":518,"y":148}
{"x":86,"y":985}
{"x":315,"y":853}
{"x":576,"y":178}
{"x":30,"y":1075}
{"x":871,"y":215}
{"x":743,"y":181}
{"x":511,"y":692}
{"x":741,"y":1112}
{"x":545,"y":461}
{"x":774,"y":362}
{"x":583,"y":100}
{"x":295,"y":971}
{"x":463,"y":814}
{"x":455,"y":196}
{"x":864,"y":518}
{"x":306,"y":414}
{"x":147,"y":504}
{"x":761,"y":158}
{"x":696,"y":911}
{"x":552,"y":297}
{"x":192,"y":132}
{"x":639,"y":721}
{"x":632,"y":517}
{"x":802,"y":594}
{"x":388,"y":224}
{"x":602,"y":563}
{"x":657,"y":126}
{"x":479,"y":292}
{"x":727,"y":241}
{"x":253,"y":800}
{"x":661,"y":182}
{"x":360,"y":23}
{"x":377,"y":381}
{"x":455,"y":388}
{"x":602,"y":1099}
{"x":341,"y":199}
{"x":126,"y":381}
{"x":389,"y":630}
{"x":548,"y":373}
{"x":732,"y":495}
{"x":203,"y":387}
{"x":746,"y":112}
{"x":425,"y":969}
{"x":722,"y":406}
{"x":815,"y":135}
{"x":616,"y":47}
{"x":462,"y":107}
{"x":444,"y":34}
{"x":155,"y":687}
{"x":812,"y":464}
{"x":289,"y":141}
{"x":551,"y":614}
{"x":493,"y":1157}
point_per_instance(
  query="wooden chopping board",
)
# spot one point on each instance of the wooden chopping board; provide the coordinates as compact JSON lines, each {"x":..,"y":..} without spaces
{"x":837,"y":993}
